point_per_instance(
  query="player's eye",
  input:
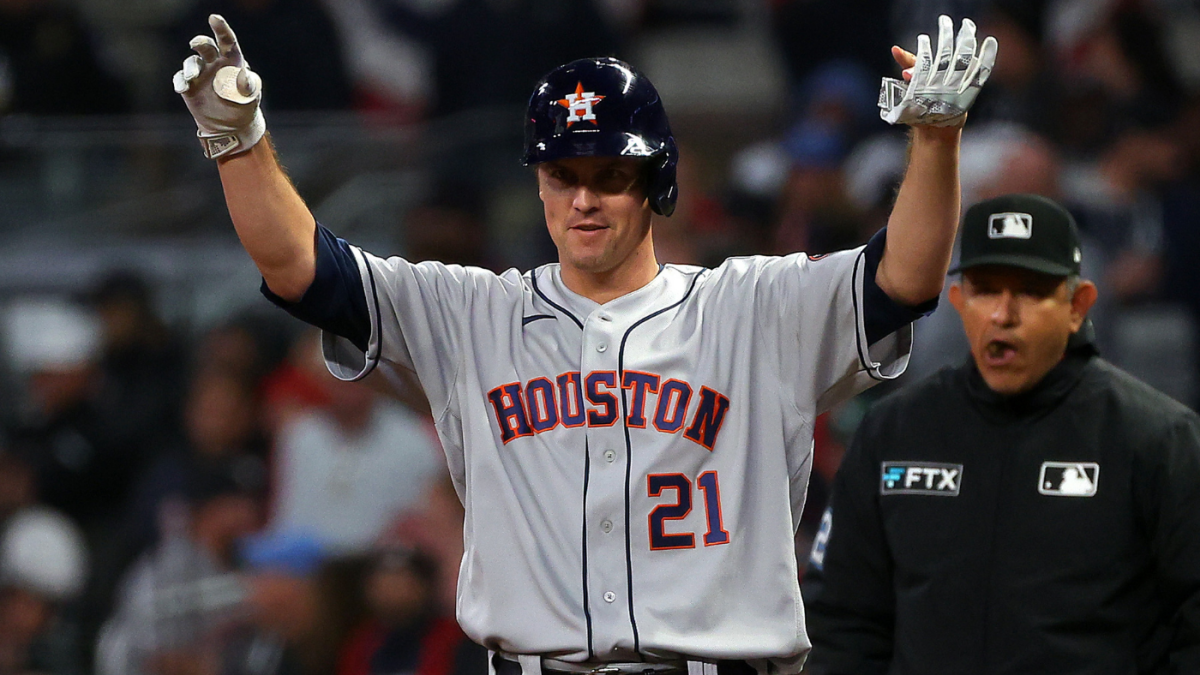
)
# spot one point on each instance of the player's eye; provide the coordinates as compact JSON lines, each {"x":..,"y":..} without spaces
{"x":614,"y":180}
{"x":562,"y":177}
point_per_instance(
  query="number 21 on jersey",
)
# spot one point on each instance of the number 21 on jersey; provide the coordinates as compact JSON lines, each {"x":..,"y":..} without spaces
{"x":658,"y":483}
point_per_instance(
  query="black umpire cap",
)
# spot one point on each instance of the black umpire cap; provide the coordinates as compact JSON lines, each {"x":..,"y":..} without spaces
{"x":1021,"y":230}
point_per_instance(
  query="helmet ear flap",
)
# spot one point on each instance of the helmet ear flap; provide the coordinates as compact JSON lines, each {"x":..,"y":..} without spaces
{"x":661,"y":186}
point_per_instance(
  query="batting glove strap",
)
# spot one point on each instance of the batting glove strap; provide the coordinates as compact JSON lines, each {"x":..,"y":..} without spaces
{"x":218,"y":144}
{"x":942,"y":90}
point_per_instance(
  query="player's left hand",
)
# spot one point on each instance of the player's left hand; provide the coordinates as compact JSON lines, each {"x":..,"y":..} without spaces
{"x":938,"y":91}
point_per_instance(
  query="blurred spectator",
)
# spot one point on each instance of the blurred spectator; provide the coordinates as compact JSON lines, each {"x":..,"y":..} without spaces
{"x":64,"y":434}
{"x":815,"y":214}
{"x":249,"y":345}
{"x":405,"y":632}
{"x":873,"y":171}
{"x":392,"y":72}
{"x":295,"y":49}
{"x":303,"y":606}
{"x":449,"y":226}
{"x":296,"y":385}
{"x":810,"y":32}
{"x":180,"y":600}
{"x":434,"y":527}
{"x":141,"y":369}
{"x":48,"y":63}
{"x":799,"y":179}
{"x":16,"y":485}
{"x":345,"y":471}
{"x":222,"y":443}
{"x":512,"y":45}
{"x":1181,"y":214}
{"x":43,"y":564}
{"x":1024,"y":88}
{"x":699,"y":232}
{"x":1117,"y":202}
{"x":1117,"y":47}
{"x":287,"y":612}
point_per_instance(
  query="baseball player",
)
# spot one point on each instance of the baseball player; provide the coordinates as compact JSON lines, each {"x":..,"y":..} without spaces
{"x":631,"y":441}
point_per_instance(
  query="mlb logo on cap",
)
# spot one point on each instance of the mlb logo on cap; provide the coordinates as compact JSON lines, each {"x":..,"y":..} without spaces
{"x":1010,"y":226}
{"x":999,"y":231}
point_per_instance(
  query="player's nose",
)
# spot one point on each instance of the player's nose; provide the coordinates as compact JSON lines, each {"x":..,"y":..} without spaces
{"x":585,"y":200}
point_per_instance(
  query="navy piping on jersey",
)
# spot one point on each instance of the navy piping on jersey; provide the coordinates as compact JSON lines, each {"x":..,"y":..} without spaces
{"x":863,"y":354}
{"x":525,"y":321}
{"x":629,"y":450}
{"x":371,"y":363}
{"x":587,"y":611}
{"x":533,"y":282}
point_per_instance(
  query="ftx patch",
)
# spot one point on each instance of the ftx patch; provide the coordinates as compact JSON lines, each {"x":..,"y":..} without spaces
{"x":920,"y":478}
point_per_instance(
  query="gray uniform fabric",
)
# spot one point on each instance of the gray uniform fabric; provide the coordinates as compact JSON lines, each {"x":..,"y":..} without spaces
{"x":647,"y":521}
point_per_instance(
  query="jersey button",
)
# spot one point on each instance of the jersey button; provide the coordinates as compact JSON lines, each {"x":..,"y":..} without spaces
{"x":606,"y":526}
{"x":610,"y":456}
{"x":610,"y":596}
{"x":602,"y":347}
{"x":605,"y":317}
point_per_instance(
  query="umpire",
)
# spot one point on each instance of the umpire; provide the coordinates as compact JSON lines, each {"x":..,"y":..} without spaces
{"x":1035,"y":510}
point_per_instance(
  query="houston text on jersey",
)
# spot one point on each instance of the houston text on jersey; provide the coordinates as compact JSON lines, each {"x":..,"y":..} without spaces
{"x":574,"y":401}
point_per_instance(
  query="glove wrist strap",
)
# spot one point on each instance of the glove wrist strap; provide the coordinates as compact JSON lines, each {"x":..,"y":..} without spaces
{"x":229,"y":143}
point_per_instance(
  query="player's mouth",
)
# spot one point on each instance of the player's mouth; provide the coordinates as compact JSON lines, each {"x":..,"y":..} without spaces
{"x":589,"y":227}
{"x":999,"y":353}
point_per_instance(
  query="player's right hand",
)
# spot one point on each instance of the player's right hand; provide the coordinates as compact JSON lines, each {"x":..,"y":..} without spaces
{"x":221,"y":92}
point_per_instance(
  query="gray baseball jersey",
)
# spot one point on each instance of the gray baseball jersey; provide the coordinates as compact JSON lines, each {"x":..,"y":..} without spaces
{"x":632,"y":473}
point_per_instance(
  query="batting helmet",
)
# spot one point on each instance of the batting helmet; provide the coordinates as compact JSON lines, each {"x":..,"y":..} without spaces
{"x":603,"y":108}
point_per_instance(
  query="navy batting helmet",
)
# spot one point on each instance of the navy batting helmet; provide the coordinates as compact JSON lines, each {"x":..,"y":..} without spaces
{"x":603,"y":108}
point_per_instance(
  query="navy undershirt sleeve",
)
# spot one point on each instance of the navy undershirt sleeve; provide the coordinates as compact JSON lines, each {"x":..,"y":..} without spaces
{"x":335,"y":301}
{"x":882,"y":315}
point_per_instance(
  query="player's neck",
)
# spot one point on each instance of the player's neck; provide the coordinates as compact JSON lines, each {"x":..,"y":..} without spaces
{"x":634,"y":272}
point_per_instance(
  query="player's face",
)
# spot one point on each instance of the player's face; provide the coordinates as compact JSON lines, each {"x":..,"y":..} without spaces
{"x":596,"y":211}
{"x":1018,"y":322}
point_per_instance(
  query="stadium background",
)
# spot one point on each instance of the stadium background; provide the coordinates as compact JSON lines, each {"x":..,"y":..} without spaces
{"x":181,"y":487}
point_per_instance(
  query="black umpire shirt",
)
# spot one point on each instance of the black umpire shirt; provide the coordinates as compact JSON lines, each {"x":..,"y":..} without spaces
{"x":1057,"y":531}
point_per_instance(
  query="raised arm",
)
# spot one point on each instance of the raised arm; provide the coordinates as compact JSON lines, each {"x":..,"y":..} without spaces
{"x":924,"y":219}
{"x":934,"y":103}
{"x":271,"y":219}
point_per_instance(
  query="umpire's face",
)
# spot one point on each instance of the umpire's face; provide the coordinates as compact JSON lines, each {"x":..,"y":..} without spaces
{"x":1018,"y":322}
{"x":596,"y":211}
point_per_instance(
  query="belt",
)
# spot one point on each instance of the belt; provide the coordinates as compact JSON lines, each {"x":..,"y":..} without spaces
{"x":506,"y":666}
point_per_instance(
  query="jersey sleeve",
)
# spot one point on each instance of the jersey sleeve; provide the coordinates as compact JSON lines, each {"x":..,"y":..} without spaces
{"x":412,"y":315}
{"x":841,"y":334}
{"x":849,"y":601}
{"x":334,"y":301}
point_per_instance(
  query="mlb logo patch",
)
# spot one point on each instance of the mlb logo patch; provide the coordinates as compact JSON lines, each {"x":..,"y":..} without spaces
{"x":920,"y":478}
{"x":1069,"y":479}
{"x":1010,"y":226}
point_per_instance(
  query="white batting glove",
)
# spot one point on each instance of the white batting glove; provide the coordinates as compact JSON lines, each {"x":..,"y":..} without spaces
{"x":941,"y":90}
{"x":222,"y":93}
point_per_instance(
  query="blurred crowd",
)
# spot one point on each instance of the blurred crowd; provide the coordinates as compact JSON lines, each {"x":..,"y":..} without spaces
{"x":209,"y":501}
{"x":214,"y":505}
